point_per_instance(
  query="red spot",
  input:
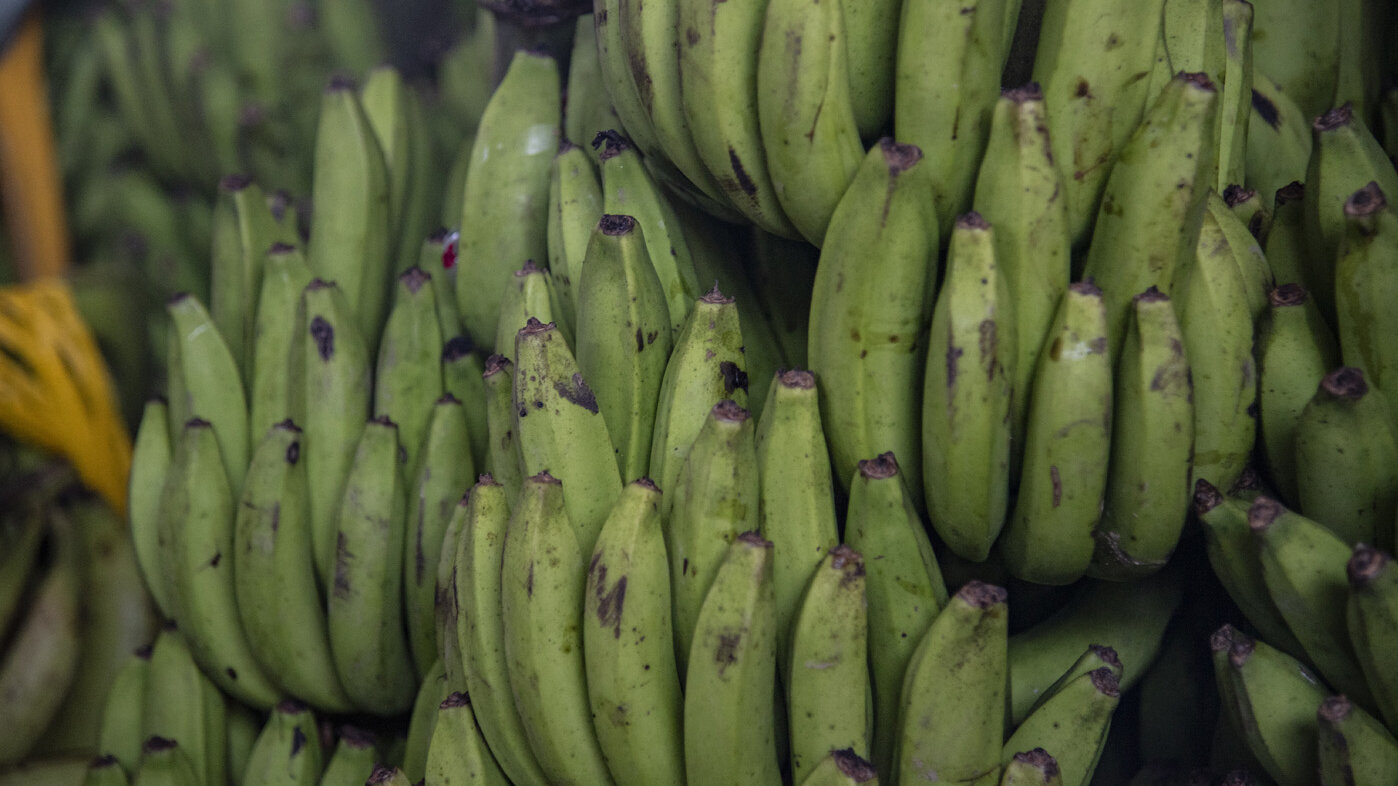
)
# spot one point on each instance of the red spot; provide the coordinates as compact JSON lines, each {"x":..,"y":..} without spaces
{"x":449,"y":249}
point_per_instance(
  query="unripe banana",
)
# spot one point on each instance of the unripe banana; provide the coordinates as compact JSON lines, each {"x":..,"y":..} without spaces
{"x":119,"y":733}
{"x":633,"y":682}
{"x":1251,"y":210}
{"x":1074,"y":723}
{"x":504,"y":214}
{"x":1294,"y":348}
{"x":385,"y":99}
{"x":458,"y":753}
{"x":1303,"y":567}
{"x":288,"y":751}
{"x":731,"y":679}
{"x":1271,"y":699}
{"x":445,"y":609}
{"x":408,"y":373}
{"x":444,"y":473}
{"x":1246,"y":252}
{"x":867,"y":326}
{"x":352,"y":241}
{"x":614,"y":53}
{"x":949,"y":61}
{"x":503,"y":459}
{"x":204,"y":382}
{"x":331,"y":378}
{"x":1019,"y":191}
{"x":164,"y":763}
{"x":828,"y":666}
{"x":1235,"y":105}
{"x":365,"y":600}
{"x":463,"y":371}
{"x":242,"y":726}
{"x":1148,"y":492}
{"x":541,"y":596}
{"x":561,"y":430}
{"x":422,"y":719}
{"x":805,"y":110}
{"x":528,"y":294}
{"x":1048,"y":539}
{"x":1279,"y":136}
{"x":150,"y":462}
{"x":1153,"y":202}
{"x":353,"y":758}
{"x":718,"y":63}
{"x":967,"y":394}
{"x":706,"y":366}
{"x":1362,"y":290}
{"x":197,"y":553}
{"x":1371,"y":616}
{"x":952,"y":711}
{"x":1354,"y":748}
{"x":1093,"y":658}
{"x":623,"y":337}
{"x":1346,"y":457}
{"x":1288,"y":254}
{"x":575,"y":205}
{"x":480,"y":630}
{"x":903,"y":584}
{"x":243,"y":231}
{"x":180,"y":699}
{"x":285,"y":275}
{"x":279,"y":602}
{"x":1298,"y":44}
{"x":588,"y":107}
{"x":1089,"y":57}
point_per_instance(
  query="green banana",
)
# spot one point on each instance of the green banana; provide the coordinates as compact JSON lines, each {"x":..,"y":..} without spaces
{"x":575,"y":205}
{"x":1346,"y":458}
{"x":903,"y":583}
{"x":503,"y":459}
{"x":504,"y":211}
{"x":706,"y":366}
{"x":1090,"y":59}
{"x":841,"y":767}
{"x":1271,"y":699}
{"x":1279,"y":136}
{"x":952,"y":710}
{"x":1019,"y":191}
{"x":164,"y":763}
{"x":1371,"y":616}
{"x":351,"y":760}
{"x":331,"y":377}
{"x":1232,"y":553}
{"x":352,"y":241}
{"x":623,"y":337}
{"x":204,"y":382}
{"x":119,"y":733}
{"x":529,"y":294}
{"x":422,"y":719}
{"x":458,"y":753}
{"x":1247,"y":205}
{"x":805,"y":110}
{"x":828,"y":664}
{"x":1303,"y":568}
{"x":1131,"y":623}
{"x":719,"y":59}
{"x":611,"y":23}
{"x":1095,"y":657}
{"x":949,"y":61}
{"x":285,"y":276}
{"x":41,"y":656}
{"x":1368,"y":248}
{"x":480,"y":629}
{"x":1246,"y":252}
{"x":1035,"y":767}
{"x":628,"y":189}
{"x":1153,"y":202}
{"x":1294,"y":348}
{"x":633,"y":681}
{"x":288,"y":751}
{"x":1298,"y":44}
{"x":243,"y":231}
{"x":445,"y":608}
{"x":1048,"y":538}
{"x":1354,"y":748}
{"x":867,"y":329}
{"x":796,"y":503}
{"x":730,"y":682}
{"x":241,"y":729}
{"x":541,"y":596}
{"x":561,"y":430}
{"x":180,"y":699}
{"x":150,"y":462}
{"x":278,"y":601}
{"x":437,"y":257}
{"x":1235,"y":97}
{"x":463,"y":376}
{"x":408,"y":373}
{"x":1073,"y":723}
{"x":364,"y":609}
{"x":1286,"y":246}
{"x":1148,"y":492}
{"x":197,"y":554}
{"x":967,"y":394}
{"x":395,"y":115}
{"x":444,"y":473}
{"x":588,"y":107}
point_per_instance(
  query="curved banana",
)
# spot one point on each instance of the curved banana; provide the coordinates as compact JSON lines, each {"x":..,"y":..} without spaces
{"x":1073,"y":723}
{"x":285,"y":275}
{"x":463,"y":376}
{"x":1278,"y":139}
{"x":529,"y":294}
{"x":352,"y":758}
{"x":164,"y":763}
{"x":457,"y":749}
{"x":1362,"y":288}
{"x":288,"y":750}
{"x":180,"y":699}
{"x":868,"y":323}
{"x":1235,"y":95}
{"x":1354,"y":747}
{"x":408,"y":372}
{"x":575,"y":205}
{"x":503,"y":459}
{"x":150,"y":462}
{"x":1371,"y":616}
{"x":1298,"y":44}
{"x":422,"y":718}
{"x":204,"y":382}
{"x":243,"y":231}
{"x":119,"y":732}
{"x":588,"y":108}
{"x":633,"y":681}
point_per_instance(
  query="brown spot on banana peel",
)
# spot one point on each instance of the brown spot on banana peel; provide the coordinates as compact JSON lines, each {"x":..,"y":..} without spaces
{"x":1344,"y":384}
{"x":343,"y":556}
{"x":954,"y":354}
{"x":457,"y":347}
{"x":1338,"y":117}
{"x":1365,"y":566}
{"x":414,"y":278}
{"x":324,"y":336}
{"x":733,"y":377}
{"x":1040,"y":760}
{"x":577,"y":392}
{"x":1057,"y":485}
{"x":455,"y":700}
{"x":529,"y":580}
{"x":1206,"y":497}
{"x":852,"y":766}
{"x":726,"y":653}
{"x":1106,"y":682}
{"x":1288,"y":295}
{"x":611,"y":601}
{"x":298,"y":740}
{"x":881,"y":467}
{"x":741,"y":174}
{"x":981,"y":595}
{"x":1365,"y":202}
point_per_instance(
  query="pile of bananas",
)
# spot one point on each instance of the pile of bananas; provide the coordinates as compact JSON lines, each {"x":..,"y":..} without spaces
{"x":903,"y":495}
